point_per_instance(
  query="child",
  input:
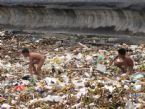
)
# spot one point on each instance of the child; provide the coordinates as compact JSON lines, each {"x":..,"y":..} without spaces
{"x":35,"y":59}
{"x":124,"y":62}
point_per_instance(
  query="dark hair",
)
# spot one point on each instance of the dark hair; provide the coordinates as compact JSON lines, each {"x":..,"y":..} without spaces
{"x":122,"y":51}
{"x":25,"y":50}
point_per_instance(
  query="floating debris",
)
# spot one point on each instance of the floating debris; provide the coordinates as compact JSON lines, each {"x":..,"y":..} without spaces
{"x":77,"y":76}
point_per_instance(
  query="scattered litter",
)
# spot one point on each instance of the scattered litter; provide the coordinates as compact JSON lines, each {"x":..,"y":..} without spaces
{"x":101,"y":68}
{"x":138,"y":76}
{"x":5,"y":106}
{"x":77,"y":76}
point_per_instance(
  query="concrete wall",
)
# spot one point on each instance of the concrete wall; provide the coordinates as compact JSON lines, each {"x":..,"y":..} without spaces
{"x":78,"y":16}
{"x":128,"y":4}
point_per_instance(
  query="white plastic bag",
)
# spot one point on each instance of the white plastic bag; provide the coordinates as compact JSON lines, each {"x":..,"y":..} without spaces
{"x":101,"y":68}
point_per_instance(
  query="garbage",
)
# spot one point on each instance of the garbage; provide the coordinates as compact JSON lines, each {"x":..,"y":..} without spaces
{"x":133,"y":47}
{"x":49,"y":81}
{"x":56,"y":60}
{"x":79,"y":56}
{"x":5,"y":106}
{"x":129,"y":105}
{"x":20,"y":88}
{"x":137,"y":76}
{"x":100,"y":59}
{"x":137,"y":87}
{"x":101,"y":68}
{"x":2,"y":33}
{"x":26,"y":77}
{"x":77,"y":76}
{"x":51,"y":98}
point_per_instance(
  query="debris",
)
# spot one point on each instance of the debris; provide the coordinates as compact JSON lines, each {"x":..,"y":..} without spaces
{"x":138,"y":76}
{"x":5,"y":106}
{"x":26,"y":77}
{"x":20,"y":88}
{"x":101,"y":68}
{"x":72,"y":77}
{"x":2,"y":33}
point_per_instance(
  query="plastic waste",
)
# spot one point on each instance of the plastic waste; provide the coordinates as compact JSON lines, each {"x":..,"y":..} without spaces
{"x":26,"y":77}
{"x":133,"y":47}
{"x":25,"y":82}
{"x":40,"y":90}
{"x":51,"y":81}
{"x":68,"y":57}
{"x":137,"y":87}
{"x":2,"y":33}
{"x":79,"y":56}
{"x":53,"y":98}
{"x":129,"y":105}
{"x":80,"y":83}
{"x":100,"y":59}
{"x":77,"y":106}
{"x":82,"y":91}
{"x":137,"y":76}
{"x":110,"y":88}
{"x":101,"y":68}
{"x":5,"y":106}
{"x":57,"y":60}
{"x":20,"y":88}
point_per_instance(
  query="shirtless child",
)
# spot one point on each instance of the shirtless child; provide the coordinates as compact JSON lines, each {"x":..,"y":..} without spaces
{"x":124,"y":62}
{"x":35,"y":59}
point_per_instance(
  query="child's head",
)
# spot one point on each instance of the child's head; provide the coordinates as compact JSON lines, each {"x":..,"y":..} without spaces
{"x":122,"y":52}
{"x":25,"y":52}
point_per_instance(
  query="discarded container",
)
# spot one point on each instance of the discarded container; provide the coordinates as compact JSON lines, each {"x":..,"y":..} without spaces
{"x":20,"y":88}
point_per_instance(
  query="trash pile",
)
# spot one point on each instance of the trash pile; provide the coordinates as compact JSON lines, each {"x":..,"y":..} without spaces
{"x":73,"y":77}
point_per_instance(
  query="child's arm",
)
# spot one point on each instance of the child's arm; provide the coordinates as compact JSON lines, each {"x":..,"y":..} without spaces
{"x":113,"y":60}
{"x":130,"y":70}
